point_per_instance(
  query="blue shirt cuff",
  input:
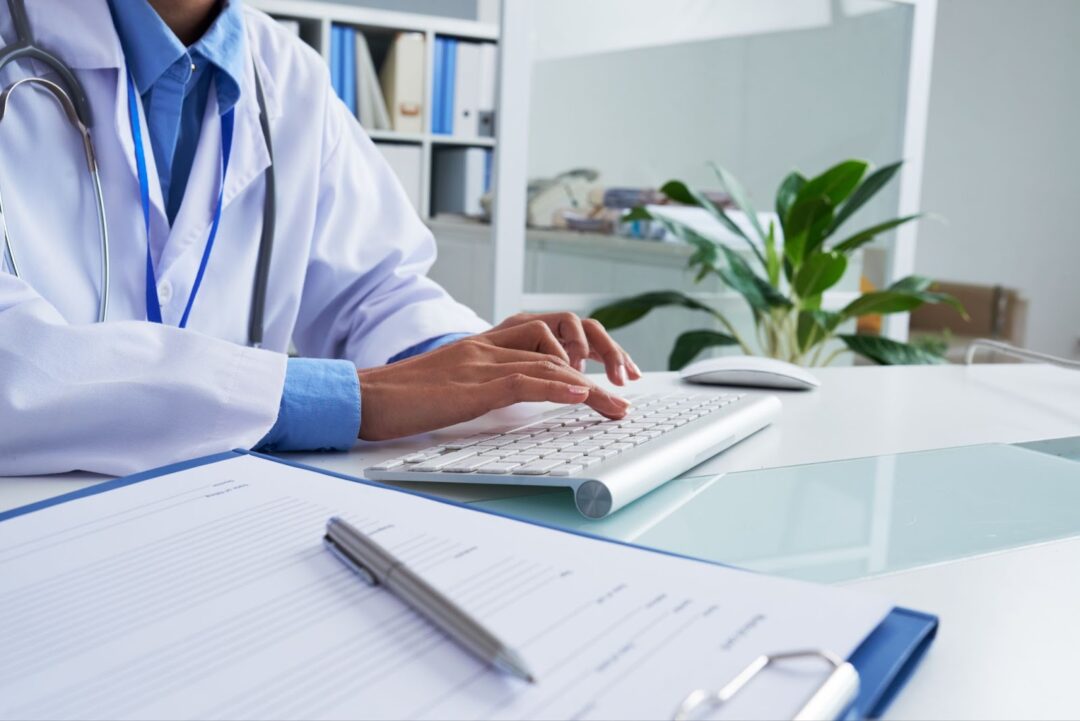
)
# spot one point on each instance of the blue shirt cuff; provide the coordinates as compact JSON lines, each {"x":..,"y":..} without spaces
{"x":428,"y":345}
{"x":320,"y":407}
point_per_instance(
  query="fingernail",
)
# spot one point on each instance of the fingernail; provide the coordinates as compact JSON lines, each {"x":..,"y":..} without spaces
{"x":581,"y":365}
{"x":635,"y":367}
{"x":620,"y":372}
{"x":579,"y":390}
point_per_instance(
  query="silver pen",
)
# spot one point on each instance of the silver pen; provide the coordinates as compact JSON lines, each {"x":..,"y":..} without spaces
{"x":378,"y":566}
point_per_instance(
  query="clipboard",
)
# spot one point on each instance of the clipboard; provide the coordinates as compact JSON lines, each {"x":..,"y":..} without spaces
{"x":861,"y":686}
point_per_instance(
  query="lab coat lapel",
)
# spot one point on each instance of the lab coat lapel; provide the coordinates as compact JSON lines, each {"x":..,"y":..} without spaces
{"x":248,"y":160}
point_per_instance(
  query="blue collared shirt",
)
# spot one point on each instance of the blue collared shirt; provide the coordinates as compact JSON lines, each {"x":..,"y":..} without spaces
{"x":174,"y":82}
{"x":320,"y":404}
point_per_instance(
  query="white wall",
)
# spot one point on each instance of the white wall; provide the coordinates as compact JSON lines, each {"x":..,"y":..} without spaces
{"x":1002,"y":157}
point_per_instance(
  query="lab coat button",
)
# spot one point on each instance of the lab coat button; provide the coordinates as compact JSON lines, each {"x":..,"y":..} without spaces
{"x":164,"y":291}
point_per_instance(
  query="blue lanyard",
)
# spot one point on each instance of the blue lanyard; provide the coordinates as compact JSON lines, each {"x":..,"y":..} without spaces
{"x":153,"y":305}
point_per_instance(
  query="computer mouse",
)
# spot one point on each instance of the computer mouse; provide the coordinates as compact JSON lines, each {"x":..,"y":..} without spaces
{"x":751,"y":371}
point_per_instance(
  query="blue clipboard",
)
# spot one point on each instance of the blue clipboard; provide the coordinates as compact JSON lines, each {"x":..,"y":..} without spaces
{"x":885,"y":660}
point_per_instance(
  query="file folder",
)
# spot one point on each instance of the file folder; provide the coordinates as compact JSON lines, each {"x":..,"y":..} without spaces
{"x":884,"y":660}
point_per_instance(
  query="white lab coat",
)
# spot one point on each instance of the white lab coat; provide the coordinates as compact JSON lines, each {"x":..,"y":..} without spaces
{"x":347,"y":279}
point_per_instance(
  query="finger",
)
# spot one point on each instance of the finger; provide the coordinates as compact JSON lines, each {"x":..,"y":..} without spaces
{"x":607,"y":351}
{"x":545,"y":367}
{"x":480,"y":351}
{"x":602,"y":401}
{"x":571,"y":333}
{"x":533,"y":336}
{"x":523,"y":388}
{"x":631,"y":367}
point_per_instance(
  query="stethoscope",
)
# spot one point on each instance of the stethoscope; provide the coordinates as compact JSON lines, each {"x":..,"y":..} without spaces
{"x":72,"y":98}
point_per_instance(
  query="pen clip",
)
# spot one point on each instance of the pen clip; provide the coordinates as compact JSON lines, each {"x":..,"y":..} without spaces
{"x":350,"y":562}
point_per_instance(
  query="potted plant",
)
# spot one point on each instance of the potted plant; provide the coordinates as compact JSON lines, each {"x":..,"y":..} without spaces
{"x":784,"y":281}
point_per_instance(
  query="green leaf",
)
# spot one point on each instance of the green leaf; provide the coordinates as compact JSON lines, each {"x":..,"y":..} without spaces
{"x":638,"y":213}
{"x":735,"y":189}
{"x":690,"y":344}
{"x":918,"y":286}
{"x":626,"y":311}
{"x":806,"y":223}
{"x":759,"y":294}
{"x":903,"y":295}
{"x":912,"y":284}
{"x":815,"y":326}
{"x":818,"y":273}
{"x":863,"y":237}
{"x":772,"y":259}
{"x":882,"y":302}
{"x":889,"y":352}
{"x":706,"y":251}
{"x":788,"y":191}
{"x":836,"y":183}
{"x":867,"y":190}
{"x":678,"y":191}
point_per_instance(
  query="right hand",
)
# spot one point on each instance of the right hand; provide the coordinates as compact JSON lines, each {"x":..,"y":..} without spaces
{"x":466,"y":379}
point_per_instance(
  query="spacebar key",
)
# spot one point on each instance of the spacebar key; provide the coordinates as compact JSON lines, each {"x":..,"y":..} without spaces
{"x":537,"y":468}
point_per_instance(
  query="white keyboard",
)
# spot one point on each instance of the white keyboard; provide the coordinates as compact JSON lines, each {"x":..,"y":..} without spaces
{"x":607,"y":463}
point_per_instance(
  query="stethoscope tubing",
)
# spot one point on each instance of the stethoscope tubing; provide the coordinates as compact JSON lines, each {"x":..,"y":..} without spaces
{"x":74,"y":101}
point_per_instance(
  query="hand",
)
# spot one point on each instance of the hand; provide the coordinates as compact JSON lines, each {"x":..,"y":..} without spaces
{"x":466,"y":379}
{"x":582,"y":340}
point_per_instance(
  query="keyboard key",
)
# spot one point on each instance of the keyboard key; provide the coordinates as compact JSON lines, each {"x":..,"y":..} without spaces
{"x":536,"y":468}
{"x":603,"y":453}
{"x":548,"y":436}
{"x":468,"y":466}
{"x":587,"y":446}
{"x":437,"y":464}
{"x":497,"y":468}
{"x":521,"y":458}
{"x":496,"y":442}
{"x":520,"y":446}
{"x":620,"y":447}
{"x":567,"y":455}
{"x":388,"y":465}
{"x":420,"y":456}
{"x":466,"y":442}
{"x":570,"y":469}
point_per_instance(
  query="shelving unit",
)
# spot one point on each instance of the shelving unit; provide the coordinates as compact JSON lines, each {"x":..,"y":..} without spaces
{"x":316,"y":20}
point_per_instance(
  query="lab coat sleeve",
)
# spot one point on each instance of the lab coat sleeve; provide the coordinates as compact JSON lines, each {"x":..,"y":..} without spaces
{"x":122,"y":397}
{"x":366,"y":294}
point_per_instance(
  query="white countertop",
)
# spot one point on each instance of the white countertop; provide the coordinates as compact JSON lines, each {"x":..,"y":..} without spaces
{"x":1009,"y":641}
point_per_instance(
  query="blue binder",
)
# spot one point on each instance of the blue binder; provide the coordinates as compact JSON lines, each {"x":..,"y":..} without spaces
{"x":335,"y":59}
{"x":348,"y":68}
{"x":885,"y":660}
{"x":438,"y":96}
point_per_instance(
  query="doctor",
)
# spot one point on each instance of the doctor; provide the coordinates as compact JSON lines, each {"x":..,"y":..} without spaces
{"x":175,"y":89}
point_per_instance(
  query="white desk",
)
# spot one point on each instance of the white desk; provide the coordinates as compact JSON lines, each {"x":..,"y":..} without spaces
{"x":1009,"y":643}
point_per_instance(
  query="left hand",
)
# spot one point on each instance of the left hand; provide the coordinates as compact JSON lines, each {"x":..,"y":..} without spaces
{"x":583,"y":339}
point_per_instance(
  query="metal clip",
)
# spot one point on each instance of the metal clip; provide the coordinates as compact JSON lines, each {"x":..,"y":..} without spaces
{"x":829,"y":701}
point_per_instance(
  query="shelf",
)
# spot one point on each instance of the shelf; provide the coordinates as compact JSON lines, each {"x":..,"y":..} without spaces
{"x":382,"y":19}
{"x":392,"y":136}
{"x":455,"y":140}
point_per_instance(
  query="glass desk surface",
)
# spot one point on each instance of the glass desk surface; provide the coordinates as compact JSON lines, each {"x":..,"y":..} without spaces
{"x":839,"y":521}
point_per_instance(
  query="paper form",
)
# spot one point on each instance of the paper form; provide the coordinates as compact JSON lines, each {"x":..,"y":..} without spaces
{"x":207,"y":593}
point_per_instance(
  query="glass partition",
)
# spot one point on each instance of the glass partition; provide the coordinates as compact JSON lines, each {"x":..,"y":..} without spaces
{"x":627,"y":94}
